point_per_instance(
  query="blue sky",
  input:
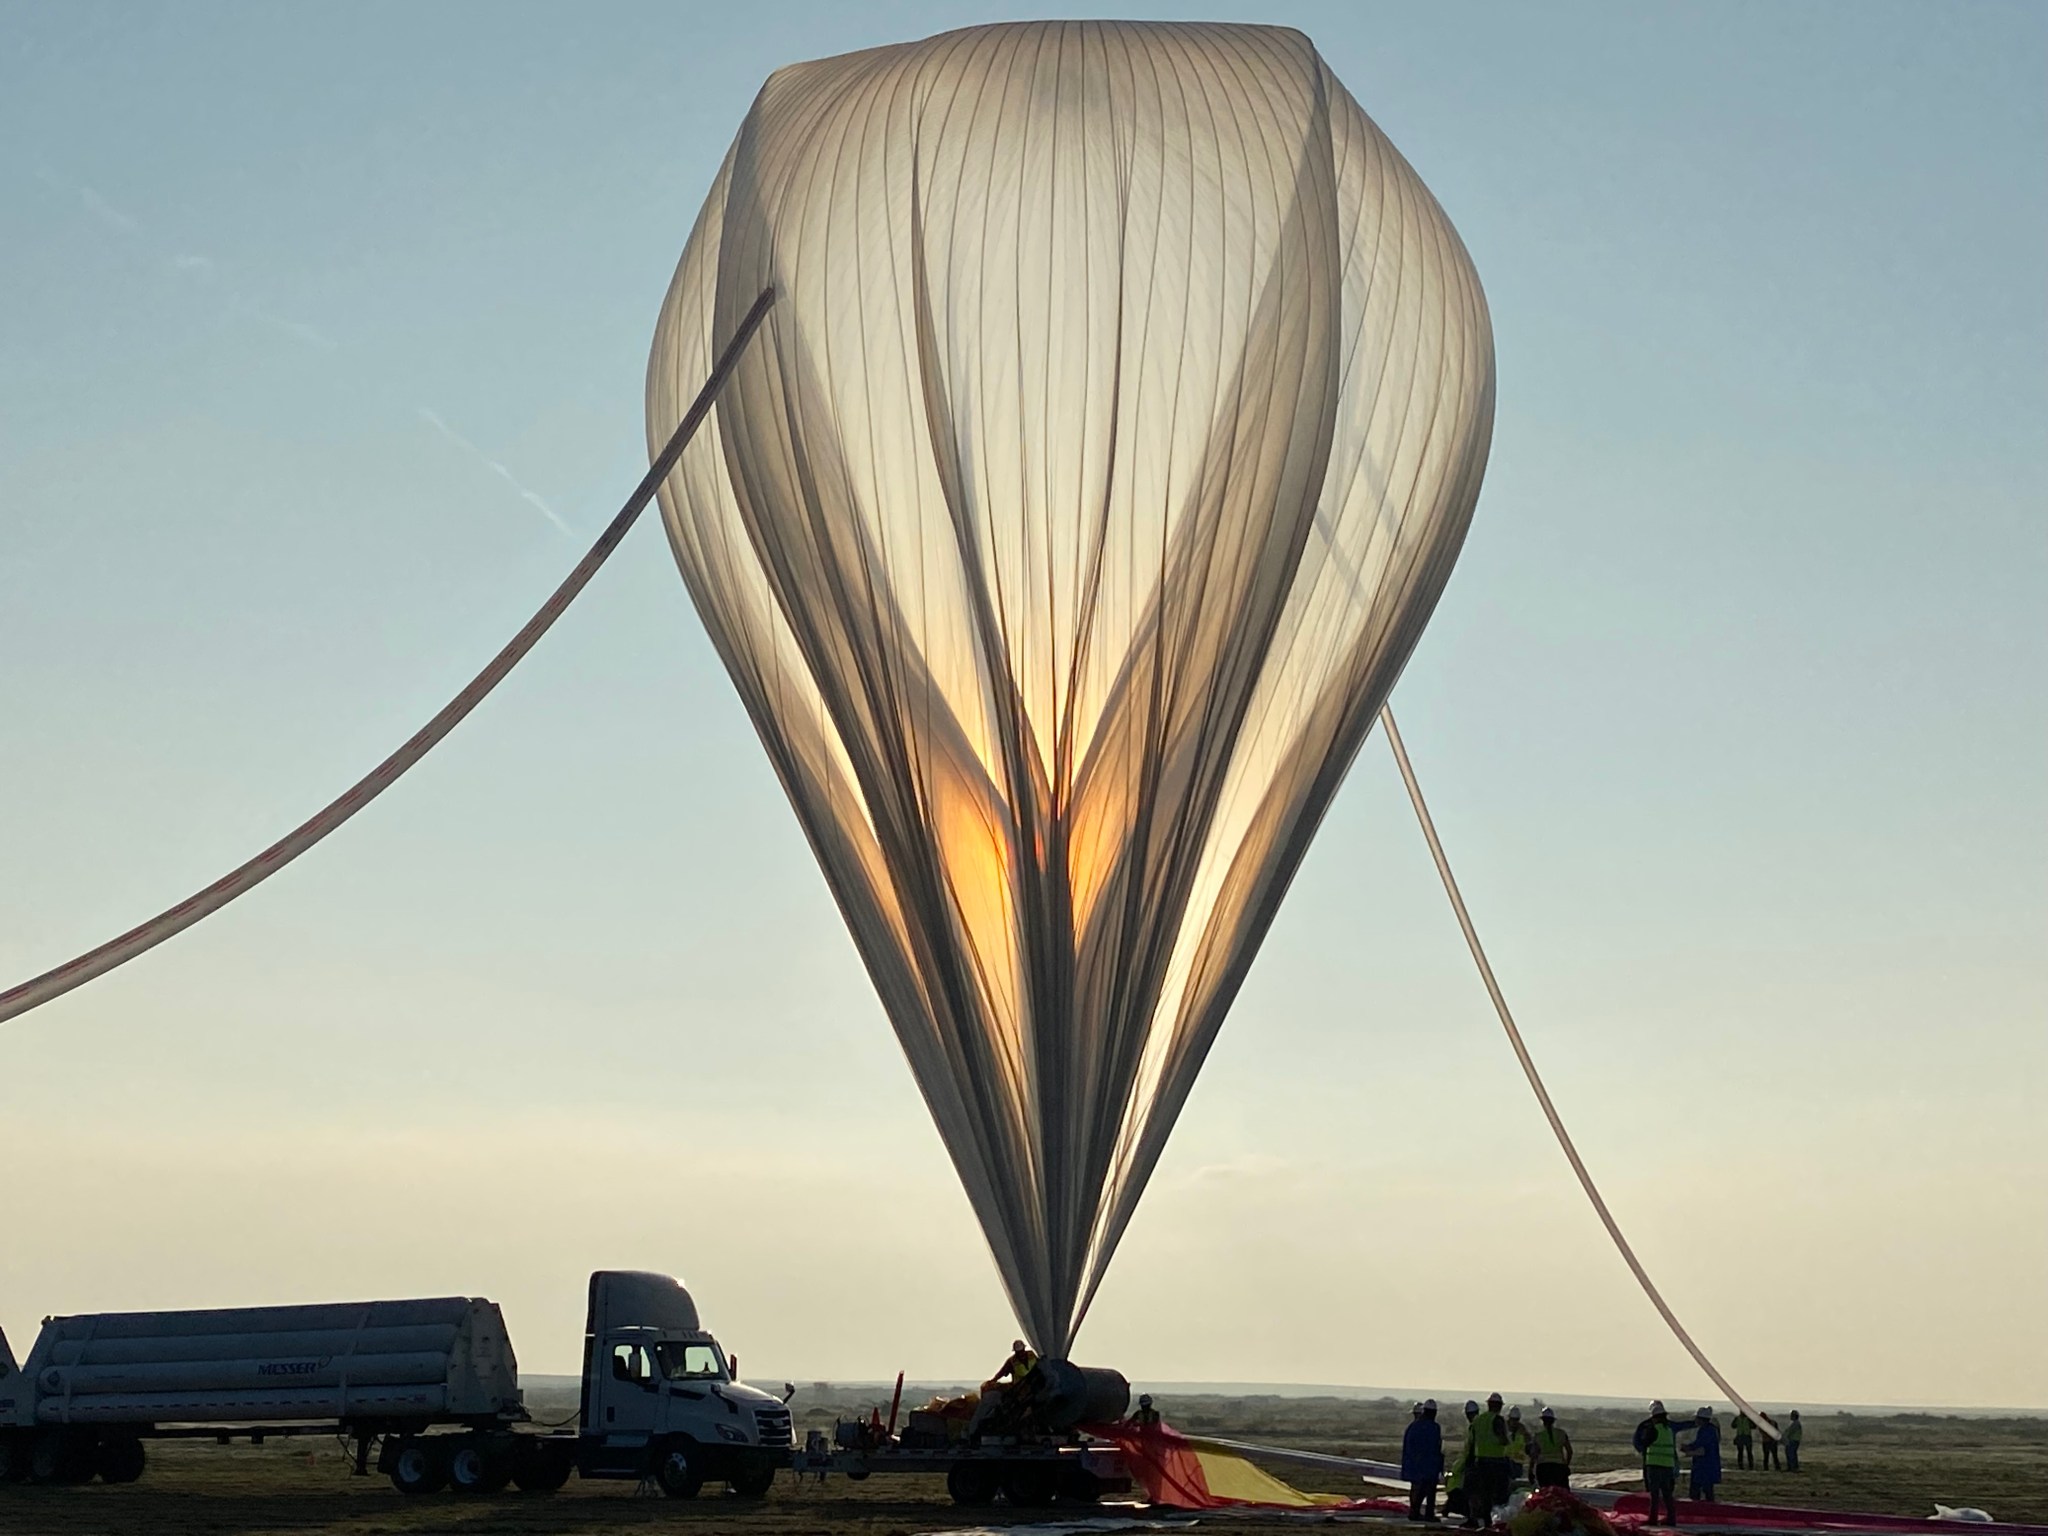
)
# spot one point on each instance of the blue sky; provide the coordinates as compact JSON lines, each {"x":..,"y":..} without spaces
{"x":322,"y":337}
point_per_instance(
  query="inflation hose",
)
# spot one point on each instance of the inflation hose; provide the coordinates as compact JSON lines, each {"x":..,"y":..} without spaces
{"x":1564,"y":1139}
{"x":117,"y":951}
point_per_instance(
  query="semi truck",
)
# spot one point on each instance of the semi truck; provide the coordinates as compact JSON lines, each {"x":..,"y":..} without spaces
{"x":426,"y":1391}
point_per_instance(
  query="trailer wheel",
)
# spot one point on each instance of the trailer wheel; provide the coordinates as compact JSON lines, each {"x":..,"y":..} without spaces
{"x":478,"y":1467}
{"x":540,"y":1470}
{"x":1080,"y":1485}
{"x":1030,"y":1485}
{"x":972,"y":1484}
{"x":754,"y":1484}
{"x":59,"y":1456}
{"x":678,"y":1474}
{"x":120,"y":1461}
{"x":418,"y":1467}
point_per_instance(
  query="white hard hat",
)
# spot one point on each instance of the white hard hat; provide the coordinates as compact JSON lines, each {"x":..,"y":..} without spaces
{"x":1657,"y":1406}
{"x":1704,"y":1413}
{"x":1471,"y":1407}
{"x":1547,"y":1414}
{"x":1429,"y":1403}
{"x":1515,"y":1413}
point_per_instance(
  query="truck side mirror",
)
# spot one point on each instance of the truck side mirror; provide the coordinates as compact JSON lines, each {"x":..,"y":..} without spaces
{"x":788,"y":1390}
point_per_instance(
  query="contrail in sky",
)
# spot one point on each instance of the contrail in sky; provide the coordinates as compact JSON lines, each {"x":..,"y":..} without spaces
{"x":530,"y":497}
{"x":205,"y":270}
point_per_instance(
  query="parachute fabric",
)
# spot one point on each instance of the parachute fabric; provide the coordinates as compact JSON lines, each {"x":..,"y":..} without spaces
{"x":1120,"y":418}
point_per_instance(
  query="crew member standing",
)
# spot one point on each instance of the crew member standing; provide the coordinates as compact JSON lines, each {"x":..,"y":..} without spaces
{"x":1744,"y":1432}
{"x":1422,"y":1461}
{"x":1794,"y":1433}
{"x":1657,"y":1443}
{"x":1492,"y":1476}
{"x":1772,"y":1437}
{"x":1553,"y":1454}
{"x":1521,"y":1444}
{"x":1704,"y":1451}
{"x":1458,"y":1486}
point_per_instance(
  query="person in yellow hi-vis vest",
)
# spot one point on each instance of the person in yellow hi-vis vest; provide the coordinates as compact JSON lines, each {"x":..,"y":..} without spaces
{"x":1455,"y":1490}
{"x":1492,"y":1467}
{"x":1744,"y":1431}
{"x":1521,"y":1444}
{"x":1553,"y":1454}
{"x":1657,"y":1443}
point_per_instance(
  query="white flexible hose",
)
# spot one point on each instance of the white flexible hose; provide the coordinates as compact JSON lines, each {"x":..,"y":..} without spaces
{"x":38,"y":990}
{"x":1564,"y":1140}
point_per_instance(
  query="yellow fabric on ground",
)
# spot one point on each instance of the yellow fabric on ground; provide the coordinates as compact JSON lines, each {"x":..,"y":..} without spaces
{"x":1231,"y":1476}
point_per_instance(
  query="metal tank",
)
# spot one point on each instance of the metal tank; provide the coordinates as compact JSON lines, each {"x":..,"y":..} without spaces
{"x":1072,"y":1395}
{"x":438,"y":1358}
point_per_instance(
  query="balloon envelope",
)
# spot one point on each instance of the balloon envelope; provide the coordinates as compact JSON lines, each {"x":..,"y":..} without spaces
{"x":1119,"y":419}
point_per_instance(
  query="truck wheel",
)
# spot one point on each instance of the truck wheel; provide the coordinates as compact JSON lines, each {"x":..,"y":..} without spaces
{"x":120,"y":1461}
{"x":678,"y":1474}
{"x":972,"y":1484}
{"x":538,"y":1470}
{"x":56,"y":1456}
{"x":476,"y":1466}
{"x":1030,"y":1485}
{"x":418,"y":1468}
{"x":754,"y":1484}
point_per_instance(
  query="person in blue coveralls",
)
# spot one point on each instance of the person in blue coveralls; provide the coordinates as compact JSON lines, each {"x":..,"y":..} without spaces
{"x":1422,"y":1461}
{"x":1705,"y":1451}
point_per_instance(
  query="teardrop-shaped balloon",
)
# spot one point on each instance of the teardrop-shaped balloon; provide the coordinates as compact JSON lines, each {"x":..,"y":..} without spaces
{"x":1119,"y":419}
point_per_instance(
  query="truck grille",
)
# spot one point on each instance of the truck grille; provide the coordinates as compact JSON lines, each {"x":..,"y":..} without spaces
{"x":772,"y":1424}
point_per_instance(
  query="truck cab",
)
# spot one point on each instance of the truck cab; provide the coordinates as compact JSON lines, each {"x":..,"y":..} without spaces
{"x":659,"y":1398}
{"x":10,"y":1384}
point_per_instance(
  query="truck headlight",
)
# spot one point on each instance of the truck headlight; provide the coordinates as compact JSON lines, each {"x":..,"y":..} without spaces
{"x":730,"y":1435}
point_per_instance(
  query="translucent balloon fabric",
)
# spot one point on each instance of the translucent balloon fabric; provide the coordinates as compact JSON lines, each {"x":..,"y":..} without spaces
{"x":1112,"y":436}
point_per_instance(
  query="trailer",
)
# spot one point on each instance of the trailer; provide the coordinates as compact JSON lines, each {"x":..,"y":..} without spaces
{"x":426,"y":1391}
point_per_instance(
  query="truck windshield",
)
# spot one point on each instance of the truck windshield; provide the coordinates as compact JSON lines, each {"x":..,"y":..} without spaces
{"x":690,"y":1362}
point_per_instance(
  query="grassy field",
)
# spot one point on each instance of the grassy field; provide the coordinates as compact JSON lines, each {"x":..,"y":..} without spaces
{"x":1900,"y":1464}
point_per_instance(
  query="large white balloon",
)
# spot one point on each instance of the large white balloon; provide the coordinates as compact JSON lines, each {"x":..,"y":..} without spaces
{"x":1112,"y":437}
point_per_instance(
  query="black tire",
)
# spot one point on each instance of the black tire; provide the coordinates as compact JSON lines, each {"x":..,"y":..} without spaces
{"x":120,"y":1461}
{"x":752,"y":1485}
{"x":477,"y":1466}
{"x":677,"y":1472}
{"x":857,"y":1474}
{"x":58,"y":1456}
{"x":972,"y":1484}
{"x":418,"y":1466}
{"x":541,"y":1469}
{"x":1030,"y":1484}
{"x":1078,"y":1485}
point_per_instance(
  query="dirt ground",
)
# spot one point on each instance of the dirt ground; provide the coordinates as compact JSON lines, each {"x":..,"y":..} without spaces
{"x":1898,"y":1464}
